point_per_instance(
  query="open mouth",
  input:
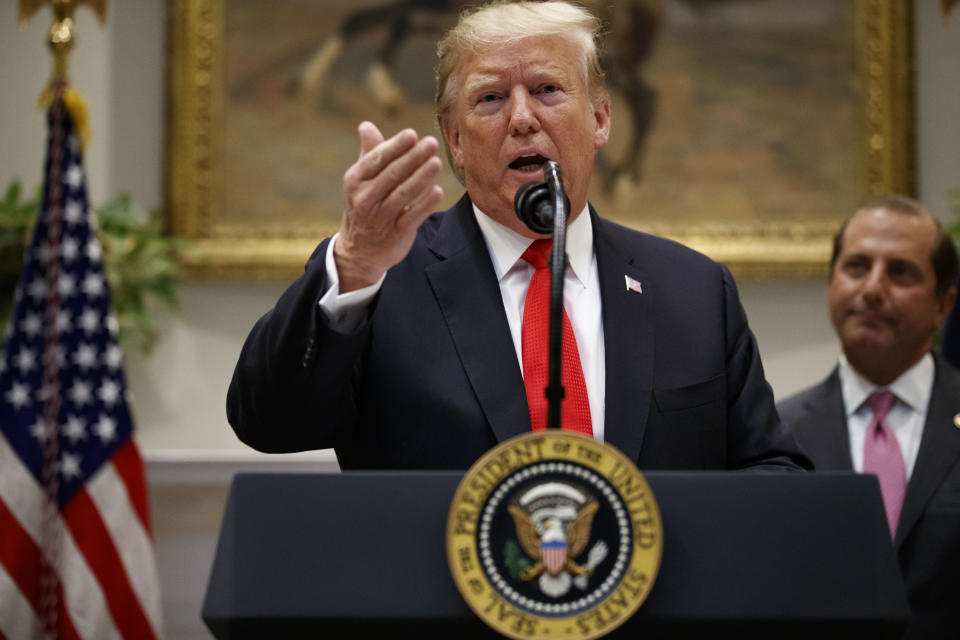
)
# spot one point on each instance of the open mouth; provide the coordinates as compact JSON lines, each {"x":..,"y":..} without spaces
{"x":529,"y":163}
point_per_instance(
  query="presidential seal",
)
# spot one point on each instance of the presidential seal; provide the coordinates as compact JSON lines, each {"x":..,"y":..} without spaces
{"x":554,"y":535}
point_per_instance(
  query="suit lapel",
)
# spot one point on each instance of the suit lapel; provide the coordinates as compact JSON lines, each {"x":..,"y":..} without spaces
{"x":467,"y":292}
{"x":466,"y":289}
{"x":628,"y":335}
{"x":829,"y":440}
{"x":939,"y":449}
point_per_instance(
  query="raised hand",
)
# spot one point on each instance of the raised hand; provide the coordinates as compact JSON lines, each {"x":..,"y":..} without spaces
{"x":387,"y":193}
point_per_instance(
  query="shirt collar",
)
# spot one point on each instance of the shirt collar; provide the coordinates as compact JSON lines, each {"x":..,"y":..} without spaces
{"x":506,"y":245}
{"x":912,"y":388}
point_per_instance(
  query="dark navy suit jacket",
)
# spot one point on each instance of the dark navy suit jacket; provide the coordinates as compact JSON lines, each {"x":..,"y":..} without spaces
{"x":927,"y":541}
{"x":432,"y":381}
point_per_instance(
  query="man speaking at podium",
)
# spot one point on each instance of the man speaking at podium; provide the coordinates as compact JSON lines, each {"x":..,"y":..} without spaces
{"x":405,"y":344}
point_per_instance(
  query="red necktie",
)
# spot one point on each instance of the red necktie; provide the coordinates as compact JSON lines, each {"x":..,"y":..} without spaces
{"x":575,"y":408}
{"x":881,"y":455}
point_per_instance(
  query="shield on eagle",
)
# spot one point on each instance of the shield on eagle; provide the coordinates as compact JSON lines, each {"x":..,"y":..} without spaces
{"x":554,"y":555}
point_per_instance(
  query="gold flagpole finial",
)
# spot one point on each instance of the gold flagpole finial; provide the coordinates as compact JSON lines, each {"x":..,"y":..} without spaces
{"x":60,"y":40}
{"x":60,"y":36}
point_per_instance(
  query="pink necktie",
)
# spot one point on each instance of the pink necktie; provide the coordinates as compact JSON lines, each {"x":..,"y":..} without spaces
{"x":535,"y":338}
{"x":881,"y":455}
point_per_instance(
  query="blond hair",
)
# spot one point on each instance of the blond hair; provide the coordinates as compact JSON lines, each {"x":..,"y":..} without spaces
{"x":500,"y":22}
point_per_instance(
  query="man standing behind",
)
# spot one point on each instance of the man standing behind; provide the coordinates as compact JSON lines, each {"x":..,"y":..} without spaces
{"x":892,"y":407}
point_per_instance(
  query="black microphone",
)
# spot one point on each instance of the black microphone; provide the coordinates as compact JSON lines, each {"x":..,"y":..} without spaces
{"x":534,"y":204}
{"x":544,"y":208}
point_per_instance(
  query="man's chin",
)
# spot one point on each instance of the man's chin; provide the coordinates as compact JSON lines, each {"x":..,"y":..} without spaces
{"x":868,"y":345}
{"x":500,"y":209}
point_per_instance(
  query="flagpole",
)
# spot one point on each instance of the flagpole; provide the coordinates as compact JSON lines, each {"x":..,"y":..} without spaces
{"x":52,"y":207}
{"x":60,"y":39}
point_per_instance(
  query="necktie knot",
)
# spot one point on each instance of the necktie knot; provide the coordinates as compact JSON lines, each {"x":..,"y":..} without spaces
{"x":538,"y":253}
{"x":881,"y":402}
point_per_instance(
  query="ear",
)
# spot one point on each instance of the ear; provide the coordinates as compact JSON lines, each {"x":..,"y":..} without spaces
{"x":945,"y":305}
{"x":601,"y":115}
{"x":451,"y":133}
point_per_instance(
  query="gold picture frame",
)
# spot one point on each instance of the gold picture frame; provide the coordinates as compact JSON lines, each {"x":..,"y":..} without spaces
{"x":275,"y":247}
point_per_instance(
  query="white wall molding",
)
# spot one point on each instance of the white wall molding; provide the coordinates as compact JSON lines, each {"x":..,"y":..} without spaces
{"x":168,"y":467}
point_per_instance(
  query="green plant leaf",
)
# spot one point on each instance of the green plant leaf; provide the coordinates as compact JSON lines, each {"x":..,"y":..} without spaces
{"x":140,"y":261}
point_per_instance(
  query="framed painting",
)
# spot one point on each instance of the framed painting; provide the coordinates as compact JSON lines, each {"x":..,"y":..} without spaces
{"x":746,"y":129}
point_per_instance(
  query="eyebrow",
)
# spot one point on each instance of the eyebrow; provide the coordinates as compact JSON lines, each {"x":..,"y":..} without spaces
{"x":890,"y":262}
{"x":904,"y":262}
{"x":856,"y":256}
{"x":478,"y":82}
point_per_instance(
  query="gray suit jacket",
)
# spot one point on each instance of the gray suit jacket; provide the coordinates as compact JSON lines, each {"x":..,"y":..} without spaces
{"x":927,"y":541}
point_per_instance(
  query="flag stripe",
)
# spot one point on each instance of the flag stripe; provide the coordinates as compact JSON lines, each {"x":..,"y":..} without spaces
{"x":17,"y":618}
{"x":19,"y":490}
{"x":16,"y":614}
{"x":79,"y":589}
{"x":129,"y":466}
{"x":93,"y":540}
{"x":133,"y":545}
{"x":20,"y":558}
{"x":84,"y":596}
{"x":19,"y":554}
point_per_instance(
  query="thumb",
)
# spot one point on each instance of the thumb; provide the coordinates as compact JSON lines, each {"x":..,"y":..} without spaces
{"x":370,"y":136}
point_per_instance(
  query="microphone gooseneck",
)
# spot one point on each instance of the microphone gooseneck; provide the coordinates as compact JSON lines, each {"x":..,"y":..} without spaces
{"x":544,"y":208}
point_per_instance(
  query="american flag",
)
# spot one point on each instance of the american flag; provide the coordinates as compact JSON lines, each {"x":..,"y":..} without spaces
{"x":76,"y":553}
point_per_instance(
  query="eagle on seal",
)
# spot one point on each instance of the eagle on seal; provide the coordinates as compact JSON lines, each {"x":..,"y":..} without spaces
{"x":553,"y":537}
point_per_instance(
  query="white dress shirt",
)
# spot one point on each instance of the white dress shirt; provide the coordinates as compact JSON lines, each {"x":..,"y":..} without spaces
{"x":581,"y":297}
{"x":345,"y":311}
{"x":907,"y":417}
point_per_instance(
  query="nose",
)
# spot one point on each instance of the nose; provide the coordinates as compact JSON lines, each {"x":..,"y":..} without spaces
{"x":523,"y":117}
{"x":875,"y":284}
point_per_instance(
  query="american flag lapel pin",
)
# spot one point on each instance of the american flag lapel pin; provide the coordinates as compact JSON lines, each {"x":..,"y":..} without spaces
{"x":633,"y":285}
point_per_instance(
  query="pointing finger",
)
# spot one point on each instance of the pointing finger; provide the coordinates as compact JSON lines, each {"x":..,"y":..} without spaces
{"x":398,"y":170}
{"x":370,"y":136}
{"x":372,"y":162}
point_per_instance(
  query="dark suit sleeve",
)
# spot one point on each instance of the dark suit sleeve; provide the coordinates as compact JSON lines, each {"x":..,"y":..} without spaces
{"x":292,"y":388}
{"x":756,"y":438}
